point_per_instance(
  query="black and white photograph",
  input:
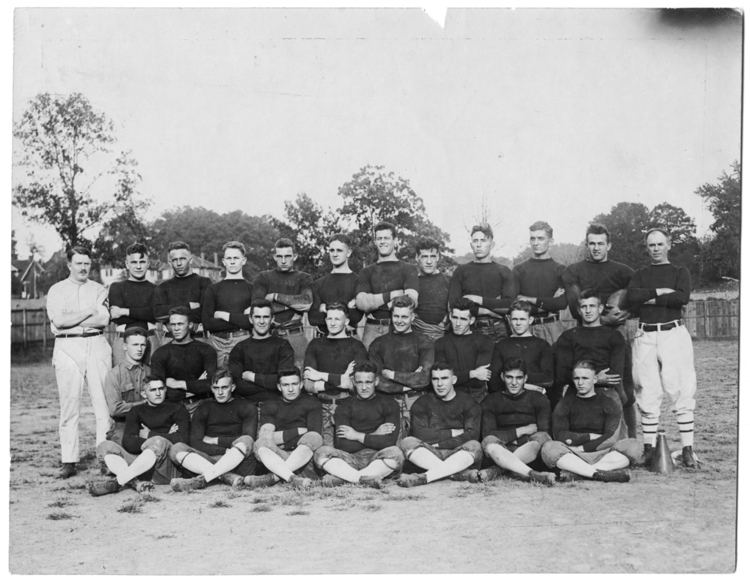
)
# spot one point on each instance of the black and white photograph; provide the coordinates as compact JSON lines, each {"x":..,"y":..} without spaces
{"x":385,"y":290}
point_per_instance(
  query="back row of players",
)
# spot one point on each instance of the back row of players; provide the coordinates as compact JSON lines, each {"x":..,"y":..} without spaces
{"x":497,"y":317}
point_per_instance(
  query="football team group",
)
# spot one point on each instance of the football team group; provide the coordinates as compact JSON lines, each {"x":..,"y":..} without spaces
{"x":542,"y":372}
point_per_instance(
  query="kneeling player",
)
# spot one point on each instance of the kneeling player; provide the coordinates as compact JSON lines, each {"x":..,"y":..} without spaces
{"x":367,"y":427}
{"x":515,"y":423}
{"x":445,"y":433}
{"x":221,"y":440}
{"x":290,"y":432}
{"x":589,"y":431}
{"x":150,"y":429}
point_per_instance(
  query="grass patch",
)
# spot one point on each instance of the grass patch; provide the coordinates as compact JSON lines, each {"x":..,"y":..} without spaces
{"x":372,"y":507}
{"x":261,"y":508}
{"x":298,"y":512}
{"x":131,"y":507}
{"x":149,"y":498}
{"x":59,"y":516}
{"x":60,"y":503}
{"x":403,"y":496}
{"x":220,"y":503}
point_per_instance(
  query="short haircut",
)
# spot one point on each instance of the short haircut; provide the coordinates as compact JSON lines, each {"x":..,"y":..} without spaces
{"x":466,"y":304}
{"x":219,"y":375}
{"x":523,"y":305}
{"x":365,"y":367}
{"x":260,"y":303}
{"x":289,"y":372}
{"x":514,"y":364}
{"x":427,"y":244}
{"x":597,"y":229}
{"x":343,"y":238}
{"x":482,"y":228}
{"x":541,"y":226}
{"x":589,"y":293}
{"x":338,"y":306}
{"x":585,"y":364}
{"x":77,"y":249}
{"x":234,"y":245}
{"x":441,"y":366}
{"x":180,"y":311}
{"x":151,"y":377}
{"x":177,"y":245}
{"x":136,"y":248}
{"x":403,"y":301}
{"x":385,"y":226}
{"x":133,"y":331}
{"x":283,"y":242}
{"x":657,"y":229}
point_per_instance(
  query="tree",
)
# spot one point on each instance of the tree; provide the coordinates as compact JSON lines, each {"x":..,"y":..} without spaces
{"x":627,"y":224}
{"x":66,"y":142}
{"x":373,"y":195}
{"x":721,"y":253}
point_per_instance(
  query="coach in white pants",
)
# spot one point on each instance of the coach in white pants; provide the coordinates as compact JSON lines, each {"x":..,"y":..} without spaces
{"x":77,"y":309}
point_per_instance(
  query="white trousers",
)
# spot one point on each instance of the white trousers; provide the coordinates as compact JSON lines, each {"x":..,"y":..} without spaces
{"x":77,"y":360}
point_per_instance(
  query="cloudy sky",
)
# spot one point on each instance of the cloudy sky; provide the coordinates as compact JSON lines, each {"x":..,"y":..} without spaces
{"x":543,"y":114}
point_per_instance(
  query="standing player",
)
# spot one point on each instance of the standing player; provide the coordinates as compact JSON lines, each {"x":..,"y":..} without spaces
{"x":77,"y":311}
{"x":445,"y":433}
{"x":540,"y":283}
{"x":403,"y":359}
{"x":469,"y":355}
{"x":535,"y":352}
{"x":589,"y":436}
{"x":226,"y":304}
{"x":185,"y":365}
{"x":255,"y":362}
{"x":338,"y":286}
{"x":329,"y":363}
{"x":432,"y":311}
{"x":486,"y":283}
{"x":515,"y":425}
{"x":367,"y":426}
{"x":131,"y":301}
{"x":124,"y":382}
{"x":605,"y":277}
{"x":151,"y":428}
{"x":290,"y":293}
{"x":382,"y":281}
{"x":663,"y":350}
{"x":289,"y":435}
{"x":221,"y":439}
{"x":184,"y":289}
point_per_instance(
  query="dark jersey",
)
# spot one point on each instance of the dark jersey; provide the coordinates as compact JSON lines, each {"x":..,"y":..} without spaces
{"x":493,"y":282}
{"x":180,"y":292}
{"x":159,"y":421}
{"x":433,"y":298}
{"x":541,"y":279}
{"x":536,"y":353}
{"x":334,"y":287}
{"x":464,"y":353}
{"x":137,"y":297}
{"x":227,"y":422}
{"x":287,"y":417}
{"x":575,"y":418}
{"x":602,"y":345}
{"x":193,"y":362}
{"x":292,"y":287}
{"x":366,"y":416}
{"x":233,"y":296}
{"x":409,"y":355}
{"x":432,"y":420}
{"x":265,"y":357}
{"x":602,"y":277}
{"x":503,"y":412}
{"x":386,"y":276}
{"x":643,"y":287}
{"x":333,"y":356}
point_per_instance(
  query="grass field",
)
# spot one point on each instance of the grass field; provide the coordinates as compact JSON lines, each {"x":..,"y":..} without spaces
{"x":684,"y":522}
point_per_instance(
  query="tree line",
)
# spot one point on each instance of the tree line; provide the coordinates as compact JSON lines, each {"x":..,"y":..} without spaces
{"x":65,"y":144}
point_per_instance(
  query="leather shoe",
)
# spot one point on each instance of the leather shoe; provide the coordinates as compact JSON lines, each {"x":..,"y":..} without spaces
{"x":688,"y":457}
{"x":68,"y":470}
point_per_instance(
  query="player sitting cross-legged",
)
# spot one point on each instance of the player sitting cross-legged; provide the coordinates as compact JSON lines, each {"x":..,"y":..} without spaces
{"x":150,"y":430}
{"x":289,"y":435}
{"x":367,"y":427}
{"x":221,"y":439}
{"x":515,"y":423}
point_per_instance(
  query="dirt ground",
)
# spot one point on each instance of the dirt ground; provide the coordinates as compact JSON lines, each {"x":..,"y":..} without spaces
{"x":684,"y":522}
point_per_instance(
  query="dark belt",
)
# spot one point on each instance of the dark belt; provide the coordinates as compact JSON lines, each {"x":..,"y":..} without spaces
{"x":380,"y":321}
{"x":150,"y":333}
{"x":659,"y":326}
{"x":292,"y":330}
{"x":229,"y":334}
{"x":546,"y":319}
{"x":67,"y":336}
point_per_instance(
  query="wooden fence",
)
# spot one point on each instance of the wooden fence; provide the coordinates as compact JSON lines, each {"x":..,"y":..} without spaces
{"x":705,"y":319}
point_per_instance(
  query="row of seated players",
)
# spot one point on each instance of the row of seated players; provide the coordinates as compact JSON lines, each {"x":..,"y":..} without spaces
{"x":160,"y":441}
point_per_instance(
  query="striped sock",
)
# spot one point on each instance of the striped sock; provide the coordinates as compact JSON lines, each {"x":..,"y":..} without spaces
{"x":686,"y":425}
{"x":650,"y":426}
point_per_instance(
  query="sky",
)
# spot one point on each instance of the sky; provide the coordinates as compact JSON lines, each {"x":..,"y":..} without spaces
{"x":540,"y":114}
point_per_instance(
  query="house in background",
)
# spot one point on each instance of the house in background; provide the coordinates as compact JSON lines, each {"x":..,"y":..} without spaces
{"x":25,"y":277}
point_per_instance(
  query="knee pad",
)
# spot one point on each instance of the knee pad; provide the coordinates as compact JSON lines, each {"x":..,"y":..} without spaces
{"x":312,"y":440}
{"x":409,"y":444}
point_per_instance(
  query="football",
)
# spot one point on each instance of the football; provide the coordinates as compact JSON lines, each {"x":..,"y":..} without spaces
{"x":618,"y":299}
